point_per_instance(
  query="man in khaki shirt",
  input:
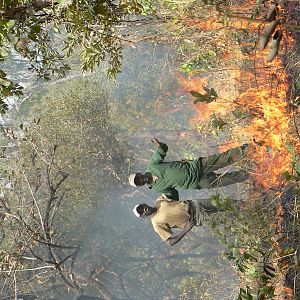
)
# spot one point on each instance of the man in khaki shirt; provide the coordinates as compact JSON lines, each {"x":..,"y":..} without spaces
{"x":168,"y":214}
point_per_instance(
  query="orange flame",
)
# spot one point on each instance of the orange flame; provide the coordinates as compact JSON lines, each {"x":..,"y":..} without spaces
{"x":264,"y":99}
{"x":288,"y":293}
{"x":213,"y":23}
{"x":269,"y":128}
{"x":204,"y":110}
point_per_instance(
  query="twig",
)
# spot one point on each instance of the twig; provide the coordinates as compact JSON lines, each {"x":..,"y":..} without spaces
{"x":66,"y":258}
{"x":296,"y":126}
{"x":15,"y":286}
{"x":32,"y":269}
{"x":36,"y":205}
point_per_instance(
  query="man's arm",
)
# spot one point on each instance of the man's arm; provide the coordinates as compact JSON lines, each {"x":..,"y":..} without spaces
{"x":159,"y":154}
{"x":156,"y":142}
{"x":171,"y":241}
{"x":172,"y":194}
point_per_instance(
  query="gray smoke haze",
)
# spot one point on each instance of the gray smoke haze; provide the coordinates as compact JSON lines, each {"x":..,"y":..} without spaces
{"x":120,"y":256}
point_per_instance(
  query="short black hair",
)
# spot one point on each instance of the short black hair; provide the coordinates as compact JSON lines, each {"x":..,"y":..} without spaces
{"x":136,"y":178}
{"x":140,"y":209}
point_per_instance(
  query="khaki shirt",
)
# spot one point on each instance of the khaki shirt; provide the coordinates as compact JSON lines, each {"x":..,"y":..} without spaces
{"x":170,"y":214}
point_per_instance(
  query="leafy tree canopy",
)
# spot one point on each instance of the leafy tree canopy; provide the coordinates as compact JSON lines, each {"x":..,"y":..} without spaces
{"x":47,"y":32}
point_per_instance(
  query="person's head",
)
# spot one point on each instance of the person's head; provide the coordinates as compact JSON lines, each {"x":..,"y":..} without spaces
{"x":139,"y":179}
{"x":143,"y":210}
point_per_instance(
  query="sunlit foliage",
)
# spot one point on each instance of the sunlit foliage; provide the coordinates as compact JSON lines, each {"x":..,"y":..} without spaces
{"x":48,"y":32}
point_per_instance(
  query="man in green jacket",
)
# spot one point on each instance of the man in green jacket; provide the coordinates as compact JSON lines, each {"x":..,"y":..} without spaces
{"x":165,"y":177}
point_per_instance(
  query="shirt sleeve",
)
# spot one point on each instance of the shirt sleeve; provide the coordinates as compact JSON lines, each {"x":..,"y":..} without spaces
{"x":158,"y":155}
{"x":163,"y":231}
{"x":172,"y":194}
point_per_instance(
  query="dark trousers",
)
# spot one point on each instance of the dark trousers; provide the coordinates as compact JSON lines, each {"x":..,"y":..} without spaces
{"x":211,"y":163}
{"x":202,"y":210}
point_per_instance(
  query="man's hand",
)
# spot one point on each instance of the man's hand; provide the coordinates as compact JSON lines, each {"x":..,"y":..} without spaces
{"x":190,"y":224}
{"x":192,"y":213}
{"x":155,"y":141}
{"x":175,"y":239}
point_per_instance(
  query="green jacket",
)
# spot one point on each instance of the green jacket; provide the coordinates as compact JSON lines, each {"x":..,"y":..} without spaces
{"x":172,"y":175}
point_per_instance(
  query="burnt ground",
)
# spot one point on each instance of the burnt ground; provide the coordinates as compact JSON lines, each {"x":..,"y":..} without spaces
{"x":288,"y":229}
{"x":289,"y":239}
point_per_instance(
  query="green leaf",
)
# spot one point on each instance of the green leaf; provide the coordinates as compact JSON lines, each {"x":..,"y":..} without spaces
{"x":297,"y":166}
{"x":6,"y":91}
{"x":245,"y":294}
{"x":33,"y":36}
{"x":249,"y":296}
{"x":210,"y":91}
{"x":251,"y":270}
{"x":188,"y":68}
{"x":5,"y":82}
{"x":218,"y":122}
{"x":246,"y":255}
{"x":209,"y":97}
{"x":36,"y":28}
{"x":3,"y":52}
{"x":100,"y":9}
{"x":288,"y":250}
{"x":3,"y":106}
{"x":215,"y":200}
{"x":286,"y":175}
{"x":10,"y":24}
{"x":266,"y":291}
{"x":13,"y":38}
{"x":195,"y":94}
{"x":241,"y":267}
{"x":241,"y":293}
{"x":204,"y":98}
{"x":213,"y":92}
{"x":289,"y":148}
{"x":297,"y":259}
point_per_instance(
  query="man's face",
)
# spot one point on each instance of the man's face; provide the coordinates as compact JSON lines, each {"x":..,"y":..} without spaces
{"x":141,"y":179}
{"x":147,"y":211}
